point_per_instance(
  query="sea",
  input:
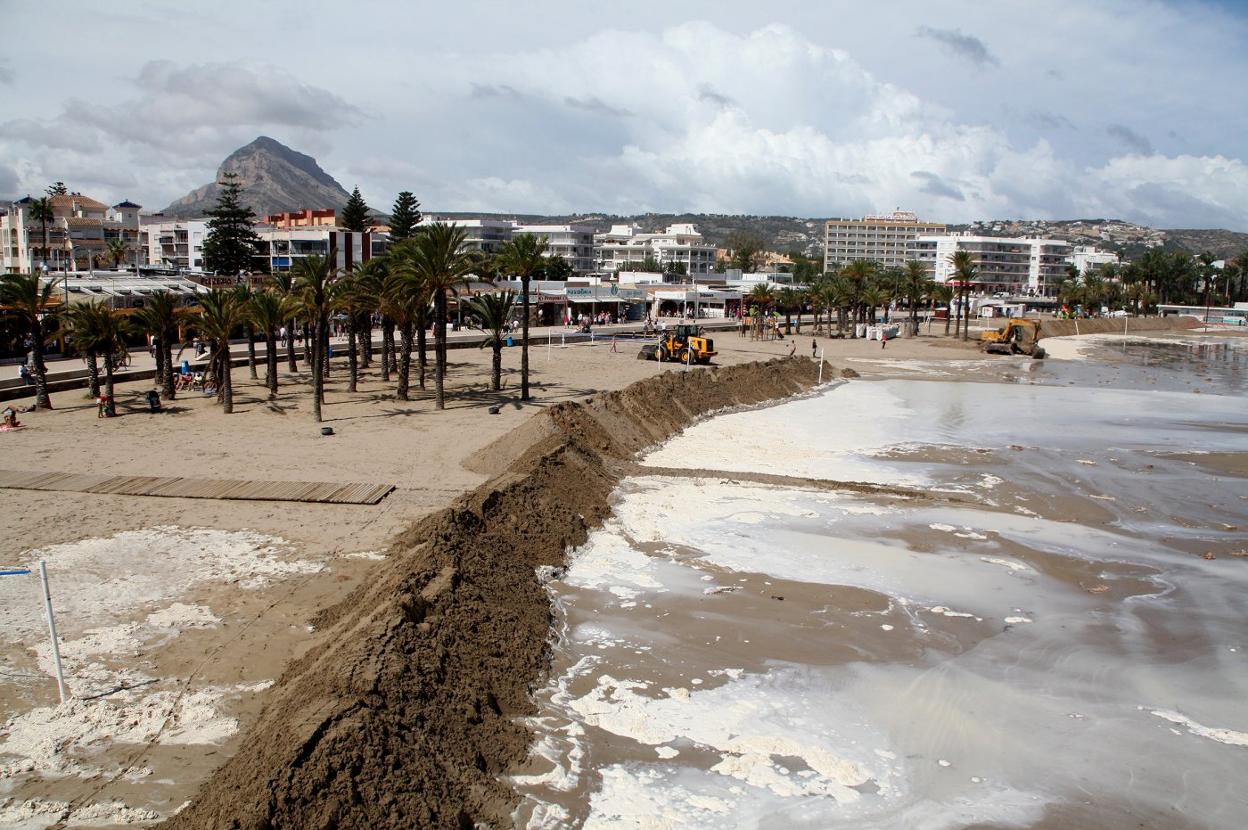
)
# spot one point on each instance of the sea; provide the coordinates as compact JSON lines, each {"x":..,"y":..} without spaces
{"x":1037,"y":618}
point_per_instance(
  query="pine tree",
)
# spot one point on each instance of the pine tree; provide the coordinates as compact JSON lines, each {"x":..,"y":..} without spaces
{"x":230,"y":242}
{"x":57,"y":189}
{"x":355,"y":214}
{"x":404,"y":217}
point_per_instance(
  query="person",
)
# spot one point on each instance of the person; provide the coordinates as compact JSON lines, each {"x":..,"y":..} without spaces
{"x":883,"y":339}
{"x":199,"y":347}
{"x":23,"y":371}
{"x":814,"y":347}
{"x":10,"y":418}
{"x":792,"y":347}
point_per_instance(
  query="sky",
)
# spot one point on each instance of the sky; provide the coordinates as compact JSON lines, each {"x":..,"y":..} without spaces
{"x":1132,"y":109}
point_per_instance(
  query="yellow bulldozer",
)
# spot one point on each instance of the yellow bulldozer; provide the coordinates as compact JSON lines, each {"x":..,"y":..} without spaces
{"x":683,"y":344}
{"x":1017,"y":336}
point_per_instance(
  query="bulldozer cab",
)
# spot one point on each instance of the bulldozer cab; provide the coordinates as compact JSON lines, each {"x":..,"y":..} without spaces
{"x":685,"y":331}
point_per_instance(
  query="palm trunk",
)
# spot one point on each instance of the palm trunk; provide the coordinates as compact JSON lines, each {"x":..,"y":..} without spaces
{"x":387,"y":348}
{"x":290,"y":346}
{"x":168,"y":389}
{"x":422,"y":362}
{"x":270,"y":362}
{"x":318,"y":357}
{"x":307,"y":343}
{"x":966,"y":313}
{"x":225,"y":383}
{"x":366,"y":345}
{"x":42,"y":401}
{"x":110,"y":408}
{"x":439,"y":349}
{"x":404,"y":369}
{"x":251,"y":350}
{"x":496,"y":379}
{"x":93,"y":375}
{"x":353,"y":367}
{"x":524,"y":346}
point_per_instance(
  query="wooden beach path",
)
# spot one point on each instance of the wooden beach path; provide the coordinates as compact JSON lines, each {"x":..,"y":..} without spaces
{"x":326,"y":492}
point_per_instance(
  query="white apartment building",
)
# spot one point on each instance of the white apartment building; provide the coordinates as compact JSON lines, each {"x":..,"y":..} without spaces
{"x":77,"y":236}
{"x":681,"y":244}
{"x":487,"y":235}
{"x":174,"y":244}
{"x":281,"y":248}
{"x":1017,"y":265}
{"x":882,"y":239}
{"x":574,"y":242}
{"x":1088,"y":259}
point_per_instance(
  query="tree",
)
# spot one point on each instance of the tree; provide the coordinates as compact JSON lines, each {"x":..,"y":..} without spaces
{"x":57,"y":189}
{"x":964,"y":266}
{"x":103,"y":333}
{"x":355,"y":213}
{"x":914,"y":284}
{"x":524,"y":256}
{"x":404,"y":304}
{"x":441,"y":262}
{"x":117,"y":250}
{"x":788,"y":299}
{"x":348,"y":298}
{"x":270,"y":310}
{"x":943,"y":293}
{"x":492,"y":312}
{"x":245,"y":293}
{"x":159,"y":317}
{"x":28,"y":301}
{"x":222,"y":312}
{"x":747,"y":250}
{"x":81,"y":319}
{"x":41,"y":212}
{"x":230,"y":242}
{"x":557,"y":268}
{"x":858,"y":275}
{"x":761,"y":299}
{"x":314,"y":278}
{"x":676,"y":268}
{"x":284,"y":283}
{"x":404,"y":217}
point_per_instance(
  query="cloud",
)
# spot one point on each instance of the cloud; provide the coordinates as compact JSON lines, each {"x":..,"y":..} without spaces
{"x":7,"y":75}
{"x":8,"y":181}
{"x":1049,"y":120}
{"x":493,"y":91}
{"x":708,"y":94}
{"x":596,"y":105}
{"x":1130,"y":139}
{"x":936,"y":186}
{"x":967,"y":47}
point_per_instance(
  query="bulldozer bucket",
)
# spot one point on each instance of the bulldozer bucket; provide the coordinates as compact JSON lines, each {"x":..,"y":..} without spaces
{"x":648,"y":353}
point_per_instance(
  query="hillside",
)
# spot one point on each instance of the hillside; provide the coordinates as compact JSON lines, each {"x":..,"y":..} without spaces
{"x":275,"y":178}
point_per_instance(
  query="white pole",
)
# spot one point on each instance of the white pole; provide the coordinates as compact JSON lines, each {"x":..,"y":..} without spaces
{"x":56,"y":648}
{"x":547,"y":346}
{"x":820,"y":366}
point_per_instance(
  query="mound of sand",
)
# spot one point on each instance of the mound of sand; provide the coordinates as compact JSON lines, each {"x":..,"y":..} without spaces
{"x":406,"y":714}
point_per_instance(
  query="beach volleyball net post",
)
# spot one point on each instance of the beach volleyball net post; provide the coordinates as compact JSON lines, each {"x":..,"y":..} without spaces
{"x":47,"y":609}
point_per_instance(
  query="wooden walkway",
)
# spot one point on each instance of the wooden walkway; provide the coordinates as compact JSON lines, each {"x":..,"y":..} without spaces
{"x":199,"y":488}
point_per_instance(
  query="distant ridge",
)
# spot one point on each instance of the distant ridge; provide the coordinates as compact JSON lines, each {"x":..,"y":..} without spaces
{"x":275,"y":178}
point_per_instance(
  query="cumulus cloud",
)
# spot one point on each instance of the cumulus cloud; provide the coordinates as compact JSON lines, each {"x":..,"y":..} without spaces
{"x":1130,"y":139}
{"x":596,"y":105}
{"x":1049,"y":120}
{"x":934,"y":185}
{"x":964,"y":46}
{"x":7,"y":75}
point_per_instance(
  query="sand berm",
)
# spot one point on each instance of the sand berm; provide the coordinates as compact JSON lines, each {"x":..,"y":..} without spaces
{"x":406,"y":713}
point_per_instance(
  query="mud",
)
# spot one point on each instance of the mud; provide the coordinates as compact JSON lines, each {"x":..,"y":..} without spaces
{"x":1116,"y":325}
{"x":406,"y":713}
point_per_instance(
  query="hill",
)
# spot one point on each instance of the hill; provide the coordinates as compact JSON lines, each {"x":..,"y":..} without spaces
{"x":275,"y":178}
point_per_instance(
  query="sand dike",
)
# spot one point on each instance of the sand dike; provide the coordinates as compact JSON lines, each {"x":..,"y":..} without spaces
{"x":1117,"y":325}
{"x":405,"y":715}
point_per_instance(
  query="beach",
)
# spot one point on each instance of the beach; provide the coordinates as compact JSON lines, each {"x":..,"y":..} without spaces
{"x":253,"y":602}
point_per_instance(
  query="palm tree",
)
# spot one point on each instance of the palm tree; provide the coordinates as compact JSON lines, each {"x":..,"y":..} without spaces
{"x":493,"y":311}
{"x":368,"y":280}
{"x":245,"y":293}
{"x":964,"y":265}
{"x":314,"y":279}
{"x":760,"y":298}
{"x":914,"y":285}
{"x":872,"y":297}
{"x":347,"y":297}
{"x":858,"y":275}
{"x":28,"y":301}
{"x":81,"y":319}
{"x":284,"y":283}
{"x":41,"y":212}
{"x":524,"y":256}
{"x":117,"y":250}
{"x":159,"y":318}
{"x":788,"y":299}
{"x":405,"y":303}
{"x":223,"y":312}
{"x":107,"y":333}
{"x":270,"y":310}
{"x":441,"y":263}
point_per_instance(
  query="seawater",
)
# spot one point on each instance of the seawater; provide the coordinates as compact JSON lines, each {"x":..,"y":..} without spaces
{"x":1053,"y":635}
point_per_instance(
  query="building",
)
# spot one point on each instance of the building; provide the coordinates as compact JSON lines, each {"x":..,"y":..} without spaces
{"x":882,"y":239}
{"x":1018,"y":266}
{"x":121,"y":289}
{"x":574,"y":242}
{"x":303,"y":219}
{"x":78,"y":236}
{"x":624,"y":247}
{"x":1088,"y":259}
{"x":281,"y":248}
{"x":485,"y":235}
{"x":174,"y":244}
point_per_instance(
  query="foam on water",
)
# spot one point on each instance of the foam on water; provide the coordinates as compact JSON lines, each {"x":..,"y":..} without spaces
{"x":991,"y":661}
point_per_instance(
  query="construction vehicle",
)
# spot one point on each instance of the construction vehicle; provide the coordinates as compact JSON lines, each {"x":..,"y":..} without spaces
{"x":1017,"y":336}
{"x":683,"y":344}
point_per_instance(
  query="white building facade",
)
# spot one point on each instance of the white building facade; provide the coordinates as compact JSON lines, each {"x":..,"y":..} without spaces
{"x":78,"y":235}
{"x":624,"y":247}
{"x":574,"y":242}
{"x":1016,"y":265}
{"x":883,"y":239}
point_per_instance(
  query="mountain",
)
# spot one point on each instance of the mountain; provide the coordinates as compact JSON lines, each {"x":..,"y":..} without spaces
{"x":275,"y":178}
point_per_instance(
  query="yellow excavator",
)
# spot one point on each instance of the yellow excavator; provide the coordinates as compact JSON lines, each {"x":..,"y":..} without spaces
{"x":1017,"y":336}
{"x":683,"y":344}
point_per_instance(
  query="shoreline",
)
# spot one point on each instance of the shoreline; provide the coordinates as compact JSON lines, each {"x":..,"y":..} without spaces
{"x":405,"y":714}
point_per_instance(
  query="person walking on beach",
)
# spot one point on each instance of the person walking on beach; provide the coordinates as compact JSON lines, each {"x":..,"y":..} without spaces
{"x":814,"y":346}
{"x":883,"y":339}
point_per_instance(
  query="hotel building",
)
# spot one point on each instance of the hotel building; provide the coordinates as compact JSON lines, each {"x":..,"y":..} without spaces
{"x":881,"y":239}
